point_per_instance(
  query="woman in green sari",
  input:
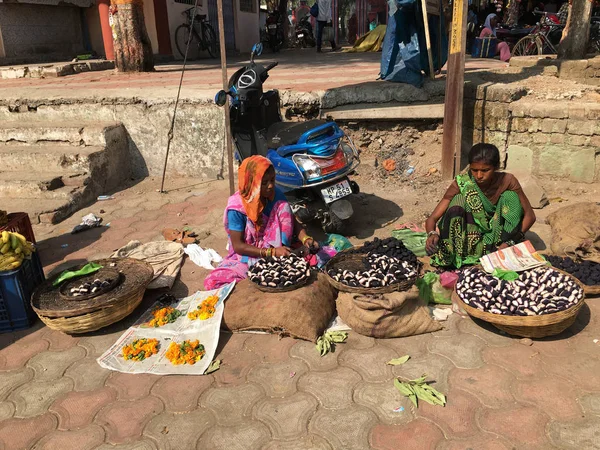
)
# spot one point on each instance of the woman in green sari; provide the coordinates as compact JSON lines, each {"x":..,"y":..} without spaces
{"x":481,"y":212}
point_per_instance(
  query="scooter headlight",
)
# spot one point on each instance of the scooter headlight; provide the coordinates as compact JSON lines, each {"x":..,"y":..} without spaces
{"x":310,"y":168}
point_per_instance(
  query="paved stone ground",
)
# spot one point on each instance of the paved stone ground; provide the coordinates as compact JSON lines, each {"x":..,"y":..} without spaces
{"x":301,"y":70}
{"x":273,"y":393}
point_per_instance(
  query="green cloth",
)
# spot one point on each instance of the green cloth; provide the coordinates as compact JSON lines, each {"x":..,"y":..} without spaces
{"x":85,"y":270}
{"x":473,"y":226}
{"x":413,"y":240}
{"x":508,"y":275}
{"x":432,"y":291}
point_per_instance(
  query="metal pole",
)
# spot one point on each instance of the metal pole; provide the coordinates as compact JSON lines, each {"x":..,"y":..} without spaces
{"x":226,"y":107}
{"x":455,"y":85}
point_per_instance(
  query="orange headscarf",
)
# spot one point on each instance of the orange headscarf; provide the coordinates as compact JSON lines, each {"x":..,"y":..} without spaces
{"x":250,"y":175}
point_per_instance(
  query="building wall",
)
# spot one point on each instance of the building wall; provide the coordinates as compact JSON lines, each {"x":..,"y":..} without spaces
{"x":247,"y":29}
{"x":150,"y":21}
{"x":30,"y":31}
{"x":176,"y":18}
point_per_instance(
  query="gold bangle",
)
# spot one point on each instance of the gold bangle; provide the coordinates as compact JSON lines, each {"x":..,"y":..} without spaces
{"x":306,"y":238}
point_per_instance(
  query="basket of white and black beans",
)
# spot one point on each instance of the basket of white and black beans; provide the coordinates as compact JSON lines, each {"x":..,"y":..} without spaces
{"x":542,"y":302}
{"x":588,"y":272}
{"x":280,"y":274}
{"x":377,"y":267}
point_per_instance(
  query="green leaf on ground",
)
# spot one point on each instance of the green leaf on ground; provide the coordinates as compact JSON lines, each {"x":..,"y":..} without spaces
{"x":327,"y":342}
{"x":418,"y":389}
{"x":214,"y":366}
{"x":398,"y":361}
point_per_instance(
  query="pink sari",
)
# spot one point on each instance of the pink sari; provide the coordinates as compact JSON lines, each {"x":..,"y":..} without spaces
{"x":277,"y":228}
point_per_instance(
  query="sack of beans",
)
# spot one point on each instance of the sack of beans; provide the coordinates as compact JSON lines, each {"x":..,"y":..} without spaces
{"x":576,"y":231}
{"x":397,"y":314}
{"x":303,"y":313}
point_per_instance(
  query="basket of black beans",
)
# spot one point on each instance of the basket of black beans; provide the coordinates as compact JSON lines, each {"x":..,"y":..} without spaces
{"x":588,"y":272}
{"x":542,"y":302}
{"x":377,"y":267}
{"x":280,"y":274}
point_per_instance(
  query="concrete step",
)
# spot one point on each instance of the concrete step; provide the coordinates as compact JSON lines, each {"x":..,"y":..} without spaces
{"x":385,"y":111}
{"x":41,"y":185}
{"x":67,"y":133}
{"x":48,"y":157}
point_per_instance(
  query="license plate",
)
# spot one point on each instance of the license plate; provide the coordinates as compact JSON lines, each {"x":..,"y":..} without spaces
{"x":300,"y":35}
{"x":272,"y":27}
{"x":337,"y":191}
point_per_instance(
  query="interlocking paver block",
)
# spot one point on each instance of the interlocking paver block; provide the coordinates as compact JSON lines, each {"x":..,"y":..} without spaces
{"x":16,"y":355}
{"x":382,"y":399}
{"x":410,"y":345}
{"x":278,"y":379}
{"x":576,"y":435}
{"x":98,"y":344}
{"x":524,"y":425}
{"x":346,"y":428}
{"x":333,"y":389}
{"x":180,"y":393}
{"x":308,"y":442}
{"x":174,"y":431}
{"x":51,"y":365}
{"x":576,"y":366}
{"x":518,"y":359}
{"x":34,"y":397}
{"x":419,"y":434}
{"x":60,"y":341}
{"x":287,"y":418}
{"x":490,"y":384}
{"x":7,"y":410}
{"x":357,"y":341}
{"x":9,"y":381}
{"x":87,"y":374}
{"x":435,"y":366}
{"x":132,"y":386}
{"x":269,"y":348}
{"x":78,"y":409}
{"x":232,"y":405}
{"x":546,"y":393}
{"x":369,"y":363}
{"x":481,"y":441}
{"x":457,"y":418}
{"x":465,"y":352}
{"x":590,"y":403}
{"x":23,"y":433}
{"x":492,"y":336}
{"x":307,"y":352}
{"x":245,"y":436}
{"x":234,"y":369}
{"x":141,"y":444}
{"x":87,"y":438}
{"x":125,"y":420}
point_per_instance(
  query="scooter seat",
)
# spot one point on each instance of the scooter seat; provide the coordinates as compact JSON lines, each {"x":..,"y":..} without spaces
{"x":281,"y":134}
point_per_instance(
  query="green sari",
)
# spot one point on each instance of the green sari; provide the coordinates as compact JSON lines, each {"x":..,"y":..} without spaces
{"x":473,"y":226}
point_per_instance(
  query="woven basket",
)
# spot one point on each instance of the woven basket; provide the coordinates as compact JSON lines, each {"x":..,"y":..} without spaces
{"x":73,"y":317}
{"x":293,"y":287}
{"x":591,"y":290}
{"x":528,"y":326}
{"x":353,"y":262}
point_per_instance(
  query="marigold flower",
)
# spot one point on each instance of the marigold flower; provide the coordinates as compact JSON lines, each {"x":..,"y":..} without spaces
{"x":206,"y":309}
{"x":163,"y":316}
{"x":187,"y":352}
{"x":140,"y":349}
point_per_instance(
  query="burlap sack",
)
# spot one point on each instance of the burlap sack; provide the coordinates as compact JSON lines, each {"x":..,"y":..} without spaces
{"x":392,"y":315}
{"x":304,"y":313}
{"x":576,"y":231}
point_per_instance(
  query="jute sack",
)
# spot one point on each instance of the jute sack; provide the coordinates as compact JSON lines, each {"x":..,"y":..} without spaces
{"x":304,"y":313}
{"x":392,"y":315}
{"x":576,"y":231}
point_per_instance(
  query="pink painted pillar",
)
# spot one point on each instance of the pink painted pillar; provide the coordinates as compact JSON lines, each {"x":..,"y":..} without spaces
{"x":107,"y":38}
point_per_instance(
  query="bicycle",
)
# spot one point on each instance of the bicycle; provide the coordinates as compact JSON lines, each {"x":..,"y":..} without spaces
{"x":203,"y":39}
{"x":543,"y":39}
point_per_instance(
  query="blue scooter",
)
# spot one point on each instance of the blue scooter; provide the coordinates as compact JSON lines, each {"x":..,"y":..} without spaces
{"x":312,"y":159}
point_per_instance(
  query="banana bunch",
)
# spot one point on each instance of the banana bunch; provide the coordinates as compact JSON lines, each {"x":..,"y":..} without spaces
{"x":14,"y":248}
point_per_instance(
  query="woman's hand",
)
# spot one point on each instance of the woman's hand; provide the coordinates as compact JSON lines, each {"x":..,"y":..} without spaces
{"x":311,"y":243}
{"x":431,"y":245}
{"x":282,"y":251}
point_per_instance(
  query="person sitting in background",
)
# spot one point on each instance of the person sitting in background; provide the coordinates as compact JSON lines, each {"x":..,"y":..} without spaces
{"x":481,"y":212}
{"x":302,"y":11}
{"x":259,"y":222}
{"x":489,"y":30}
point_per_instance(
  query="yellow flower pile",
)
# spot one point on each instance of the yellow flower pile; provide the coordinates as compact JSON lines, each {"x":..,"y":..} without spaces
{"x":188,"y":352}
{"x":206,"y":309}
{"x":140,"y":349}
{"x":163,"y":316}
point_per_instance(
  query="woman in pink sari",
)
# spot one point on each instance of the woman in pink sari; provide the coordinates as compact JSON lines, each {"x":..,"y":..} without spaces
{"x":259,"y":222}
{"x":489,"y":30}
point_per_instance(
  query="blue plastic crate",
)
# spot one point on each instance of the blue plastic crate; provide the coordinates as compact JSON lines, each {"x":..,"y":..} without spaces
{"x":16,"y":287}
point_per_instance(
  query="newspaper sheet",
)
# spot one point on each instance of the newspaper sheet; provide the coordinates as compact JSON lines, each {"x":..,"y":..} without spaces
{"x":517,"y":258}
{"x":205,"y":331}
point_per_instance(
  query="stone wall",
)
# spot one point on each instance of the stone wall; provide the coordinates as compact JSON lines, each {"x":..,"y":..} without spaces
{"x":556,"y":139}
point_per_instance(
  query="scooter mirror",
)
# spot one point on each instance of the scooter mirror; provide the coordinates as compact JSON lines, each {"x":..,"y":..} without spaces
{"x":221,"y":98}
{"x":257,"y":50}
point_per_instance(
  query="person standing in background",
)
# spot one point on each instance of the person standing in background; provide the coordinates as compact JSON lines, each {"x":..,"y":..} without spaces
{"x":323,"y":19}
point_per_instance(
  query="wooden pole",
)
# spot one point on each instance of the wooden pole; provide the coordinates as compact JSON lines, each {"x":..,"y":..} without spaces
{"x":226,"y":88}
{"x":455,"y":84}
{"x":427,"y":39}
{"x":574,"y":42}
